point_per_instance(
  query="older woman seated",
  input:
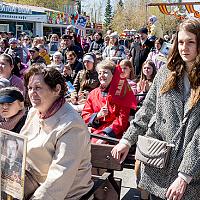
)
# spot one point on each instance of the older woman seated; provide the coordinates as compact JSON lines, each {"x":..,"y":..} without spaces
{"x":102,"y":115}
{"x":58,"y":169}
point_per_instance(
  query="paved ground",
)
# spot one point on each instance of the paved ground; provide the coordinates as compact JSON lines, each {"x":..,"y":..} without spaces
{"x":128,"y":190}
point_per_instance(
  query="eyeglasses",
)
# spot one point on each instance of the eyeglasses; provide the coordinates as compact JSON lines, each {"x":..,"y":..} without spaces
{"x":26,"y":39}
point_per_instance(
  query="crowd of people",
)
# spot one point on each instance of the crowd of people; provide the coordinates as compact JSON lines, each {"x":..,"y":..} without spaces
{"x":57,"y":90}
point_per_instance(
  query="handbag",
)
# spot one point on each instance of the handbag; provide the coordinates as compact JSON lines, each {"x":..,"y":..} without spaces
{"x":152,"y":151}
{"x":155,"y":152}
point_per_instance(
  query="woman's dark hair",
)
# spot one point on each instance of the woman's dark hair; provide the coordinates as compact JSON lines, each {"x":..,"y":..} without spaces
{"x":51,"y":76}
{"x":176,"y":64}
{"x":5,"y":41}
{"x":160,"y":41}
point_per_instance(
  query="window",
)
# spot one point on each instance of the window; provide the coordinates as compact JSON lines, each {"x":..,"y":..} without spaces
{"x":4,"y":27}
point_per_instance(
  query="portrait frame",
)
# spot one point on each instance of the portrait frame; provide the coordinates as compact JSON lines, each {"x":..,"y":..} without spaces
{"x":13,"y":159}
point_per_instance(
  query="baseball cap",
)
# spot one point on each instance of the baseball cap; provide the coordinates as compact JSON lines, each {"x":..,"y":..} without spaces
{"x":65,"y":36}
{"x":10,"y":94}
{"x":34,"y":49}
{"x":13,"y":40}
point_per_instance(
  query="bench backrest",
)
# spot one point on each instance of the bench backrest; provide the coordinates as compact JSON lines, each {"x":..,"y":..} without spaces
{"x":102,"y":158}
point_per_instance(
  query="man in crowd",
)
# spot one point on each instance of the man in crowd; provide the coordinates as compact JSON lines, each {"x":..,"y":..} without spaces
{"x":70,"y":46}
{"x":139,"y":55}
{"x":97,"y":45}
{"x":35,"y":57}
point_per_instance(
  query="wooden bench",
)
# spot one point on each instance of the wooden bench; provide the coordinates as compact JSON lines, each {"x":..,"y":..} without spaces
{"x":106,"y":186}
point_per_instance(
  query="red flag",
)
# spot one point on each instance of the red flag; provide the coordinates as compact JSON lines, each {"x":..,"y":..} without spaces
{"x":120,"y":90}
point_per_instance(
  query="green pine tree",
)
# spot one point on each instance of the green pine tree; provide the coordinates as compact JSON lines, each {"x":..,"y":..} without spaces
{"x":108,"y":15}
{"x":121,"y":4}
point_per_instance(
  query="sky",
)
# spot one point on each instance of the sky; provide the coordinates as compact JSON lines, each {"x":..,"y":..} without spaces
{"x":87,"y":5}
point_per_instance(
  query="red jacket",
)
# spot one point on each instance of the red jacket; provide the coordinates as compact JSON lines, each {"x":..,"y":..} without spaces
{"x":114,"y":124}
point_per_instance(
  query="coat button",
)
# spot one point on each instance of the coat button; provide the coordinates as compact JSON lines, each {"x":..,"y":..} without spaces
{"x":164,"y":121}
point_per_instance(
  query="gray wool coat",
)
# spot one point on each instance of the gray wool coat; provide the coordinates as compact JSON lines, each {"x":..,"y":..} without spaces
{"x":161,"y":117}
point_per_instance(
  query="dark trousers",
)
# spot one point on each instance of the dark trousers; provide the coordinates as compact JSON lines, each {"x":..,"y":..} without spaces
{"x":153,"y":197}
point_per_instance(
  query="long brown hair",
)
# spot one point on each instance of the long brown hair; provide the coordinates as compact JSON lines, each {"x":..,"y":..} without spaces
{"x":143,"y":76}
{"x":176,"y":65}
{"x":128,"y":64}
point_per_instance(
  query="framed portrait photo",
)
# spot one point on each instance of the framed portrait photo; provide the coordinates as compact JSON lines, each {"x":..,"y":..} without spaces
{"x":13,"y":158}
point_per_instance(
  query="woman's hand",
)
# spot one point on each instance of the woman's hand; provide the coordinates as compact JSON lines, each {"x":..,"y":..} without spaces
{"x":146,"y":86}
{"x":176,"y":190}
{"x":74,"y":100}
{"x":120,"y":151}
{"x":103,"y":112}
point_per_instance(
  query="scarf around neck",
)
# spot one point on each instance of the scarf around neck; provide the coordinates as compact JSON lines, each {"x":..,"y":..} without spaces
{"x":53,"y":108}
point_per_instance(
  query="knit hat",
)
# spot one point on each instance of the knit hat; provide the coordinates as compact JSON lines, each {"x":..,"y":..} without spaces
{"x":88,"y":58}
{"x":10,"y":94}
{"x":114,"y":35}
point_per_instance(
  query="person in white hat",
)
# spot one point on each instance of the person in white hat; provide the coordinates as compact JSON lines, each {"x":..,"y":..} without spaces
{"x":155,"y":28}
{"x":86,"y":79}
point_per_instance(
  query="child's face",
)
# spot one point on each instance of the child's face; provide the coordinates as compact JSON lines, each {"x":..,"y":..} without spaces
{"x":8,"y":110}
{"x":147,"y":70}
{"x":67,"y":70}
{"x":125,"y":71}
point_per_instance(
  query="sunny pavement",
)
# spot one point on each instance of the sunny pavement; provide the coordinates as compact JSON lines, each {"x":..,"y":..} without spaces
{"x":128,"y":189}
